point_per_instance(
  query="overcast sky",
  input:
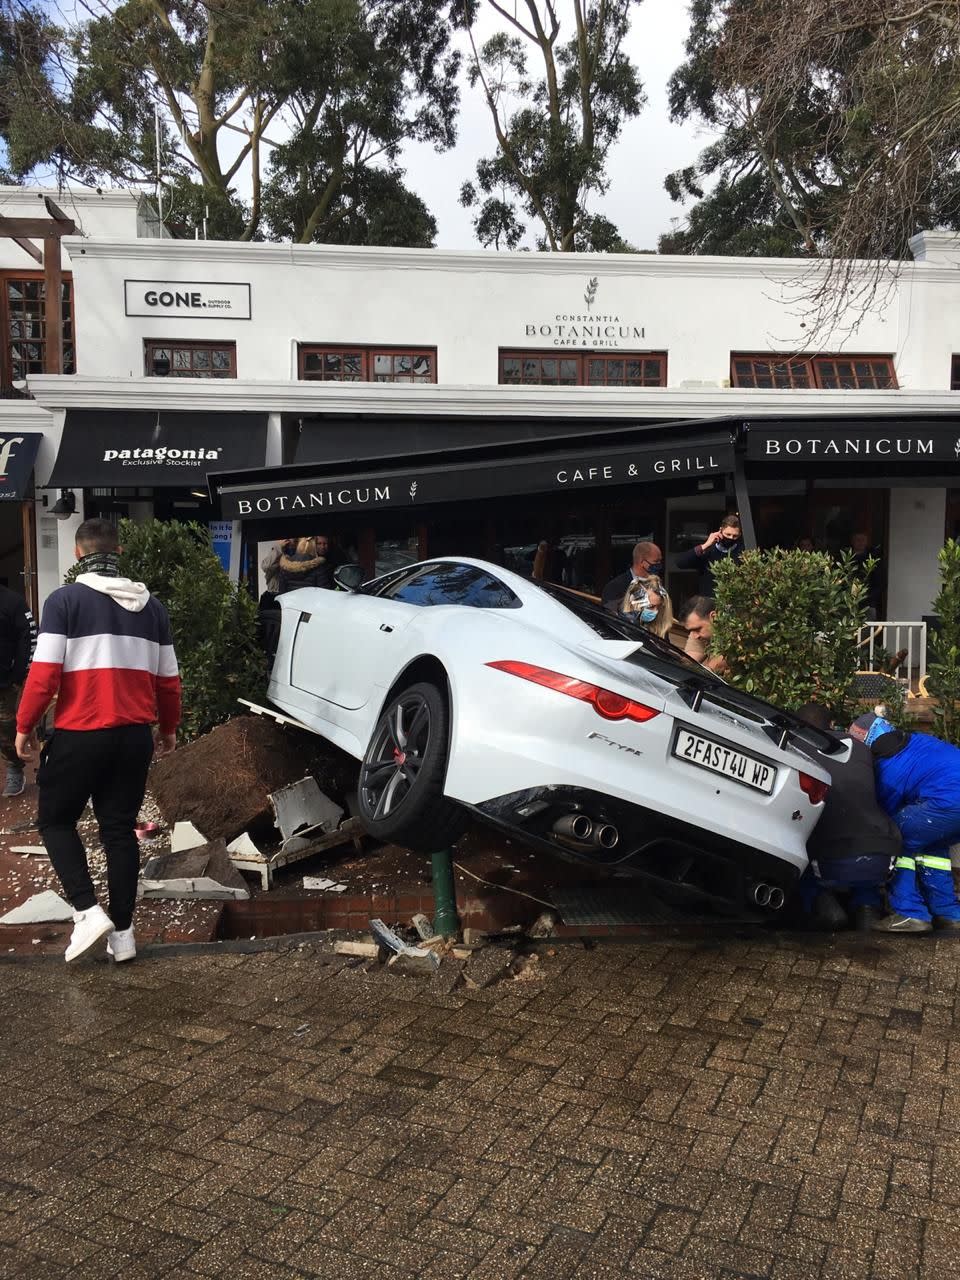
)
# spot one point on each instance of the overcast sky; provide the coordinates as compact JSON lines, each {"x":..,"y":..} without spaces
{"x":649,"y":149}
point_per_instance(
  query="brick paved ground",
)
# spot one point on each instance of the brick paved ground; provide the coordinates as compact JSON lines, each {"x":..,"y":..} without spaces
{"x":763,"y":1107}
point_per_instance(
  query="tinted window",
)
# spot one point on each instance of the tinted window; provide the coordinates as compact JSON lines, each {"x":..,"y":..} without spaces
{"x":461,"y":584}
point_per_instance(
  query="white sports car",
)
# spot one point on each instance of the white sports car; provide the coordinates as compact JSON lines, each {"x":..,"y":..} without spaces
{"x":465,"y":689}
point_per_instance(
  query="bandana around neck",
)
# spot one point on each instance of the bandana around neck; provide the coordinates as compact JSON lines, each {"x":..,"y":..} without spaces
{"x":106,"y":563}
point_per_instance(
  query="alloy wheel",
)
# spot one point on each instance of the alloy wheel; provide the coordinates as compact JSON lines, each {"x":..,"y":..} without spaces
{"x":395,"y":757}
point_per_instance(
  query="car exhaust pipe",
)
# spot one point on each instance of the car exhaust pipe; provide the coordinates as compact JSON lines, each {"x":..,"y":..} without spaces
{"x":777,"y":899}
{"x":607,"y":836}
{"x":577,"y":826}
{"x":761,"y":895}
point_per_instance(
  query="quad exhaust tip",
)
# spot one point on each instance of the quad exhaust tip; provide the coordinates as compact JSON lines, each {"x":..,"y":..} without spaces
{"x":577,"y":826}
{"x":769,"y":895}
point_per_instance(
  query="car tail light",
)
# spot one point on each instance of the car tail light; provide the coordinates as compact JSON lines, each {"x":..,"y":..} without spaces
{"x":606,"y":703}
{"x":814,"y":789}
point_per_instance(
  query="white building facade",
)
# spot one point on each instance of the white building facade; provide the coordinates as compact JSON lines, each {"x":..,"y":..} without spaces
{"x":514,"y":392}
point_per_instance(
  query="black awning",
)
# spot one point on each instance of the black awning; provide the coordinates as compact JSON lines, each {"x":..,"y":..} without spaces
{"x":112,"y":449}
{"x":278,"y":492}
{"x":896,"y":439}
{"x":18,"y":453}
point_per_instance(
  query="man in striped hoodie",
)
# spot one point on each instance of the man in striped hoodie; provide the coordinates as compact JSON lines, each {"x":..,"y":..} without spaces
{"x":105,"y":652}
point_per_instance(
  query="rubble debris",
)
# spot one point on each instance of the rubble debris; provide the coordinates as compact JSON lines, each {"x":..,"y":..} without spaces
{"x":474,"y":937}
{"x":526,"y":968}
{"x":185,"y":836}
{"x":321,"y":882}
{"x":204,"y":872}
{"x":40,"y":908}
{"x":222,"y":781}
{"x":243,"y":847}
{"x":414,"y":963}
{"x":369,"y":950}
{"x":27,"y":848}
{"x":415,"y":958}
{"x":423,"y":926}
{"x":303,"y":812}
{"x":487,"y":965}
{"x":544,"y":925}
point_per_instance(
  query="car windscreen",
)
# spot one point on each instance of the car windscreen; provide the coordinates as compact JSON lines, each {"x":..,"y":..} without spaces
{"x":694,"y":681}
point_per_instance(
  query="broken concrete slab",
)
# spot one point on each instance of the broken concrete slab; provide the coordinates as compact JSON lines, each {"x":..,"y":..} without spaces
{"x":368,"y":950}
{"x":201,"y":887}
{"x":202,"y":872}
{"x":322,"y":883}
{"x":28,"y":848}
{"x":185,"y":836}
{"x":41,"y":908}
{"x":302,"y":810}
{"x":244,"y":847}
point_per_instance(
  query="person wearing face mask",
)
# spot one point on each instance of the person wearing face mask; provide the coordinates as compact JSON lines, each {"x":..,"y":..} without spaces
{"x":647,"y":562}
{"x":646,"y":602}
{"x":725,"y":543}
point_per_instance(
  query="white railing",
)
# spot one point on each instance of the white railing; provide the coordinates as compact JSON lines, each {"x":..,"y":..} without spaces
{"x":909,"y":638}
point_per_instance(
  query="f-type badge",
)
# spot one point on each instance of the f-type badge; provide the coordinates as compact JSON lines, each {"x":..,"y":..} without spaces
{"x":609,"y":742}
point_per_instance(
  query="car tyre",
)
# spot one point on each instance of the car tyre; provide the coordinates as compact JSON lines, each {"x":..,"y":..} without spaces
{"x":400,"y":790}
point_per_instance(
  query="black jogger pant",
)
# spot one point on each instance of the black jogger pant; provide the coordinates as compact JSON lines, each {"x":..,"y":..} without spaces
{"x":109,"y":767}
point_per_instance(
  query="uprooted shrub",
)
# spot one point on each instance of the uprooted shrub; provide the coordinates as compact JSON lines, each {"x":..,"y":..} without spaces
{"x":943,"y":675}
{"x":786,"y":624}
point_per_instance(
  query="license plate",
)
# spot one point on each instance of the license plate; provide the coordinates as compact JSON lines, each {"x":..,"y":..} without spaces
{"x":717,"y":758}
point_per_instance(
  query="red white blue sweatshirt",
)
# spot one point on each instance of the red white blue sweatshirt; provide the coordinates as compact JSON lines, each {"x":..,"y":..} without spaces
{"x":105,"y":651}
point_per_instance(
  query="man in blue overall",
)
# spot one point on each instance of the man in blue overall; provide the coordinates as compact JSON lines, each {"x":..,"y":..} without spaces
{"x":918,"y":783}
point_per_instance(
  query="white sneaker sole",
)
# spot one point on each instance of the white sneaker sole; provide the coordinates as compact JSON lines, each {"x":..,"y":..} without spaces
{"x":123,"y":956}
{"x":89,"y":945}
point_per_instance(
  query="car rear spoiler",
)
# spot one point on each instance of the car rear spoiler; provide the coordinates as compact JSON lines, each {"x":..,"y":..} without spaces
{"x":782,"y":727}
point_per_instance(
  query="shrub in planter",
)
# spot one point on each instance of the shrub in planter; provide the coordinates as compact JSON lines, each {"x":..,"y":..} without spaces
{"x":213,"y":620}
{"x":943,"y":676}
{"x":786,"y":625}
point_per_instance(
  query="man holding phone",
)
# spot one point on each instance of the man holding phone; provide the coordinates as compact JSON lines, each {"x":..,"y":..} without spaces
{"x":725,"y":543}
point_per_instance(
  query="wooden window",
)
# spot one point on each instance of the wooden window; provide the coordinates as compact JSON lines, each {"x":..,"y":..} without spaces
{"x":24,"y":322}
{"x":828,"y":373}
{"x":367,"y":364}
{"x":165,"y":357}
{"x":571,"y":369}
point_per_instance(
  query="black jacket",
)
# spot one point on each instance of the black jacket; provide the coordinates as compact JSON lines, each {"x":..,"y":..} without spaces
{"x":18,"y":638}
{"x":853,"y":823}
{"x":613,"y":593}
{"x":297,"y":571}
{"x":703,"y":562}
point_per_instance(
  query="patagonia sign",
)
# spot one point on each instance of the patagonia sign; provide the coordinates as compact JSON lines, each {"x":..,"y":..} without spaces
{"x":162,"y":457}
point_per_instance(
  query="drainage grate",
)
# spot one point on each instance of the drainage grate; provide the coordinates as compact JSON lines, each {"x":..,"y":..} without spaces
{"x":584,"y":905}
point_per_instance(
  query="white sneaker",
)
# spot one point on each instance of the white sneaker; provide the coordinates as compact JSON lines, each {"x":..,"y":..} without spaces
{"x":88,"y":928}
{"x":121,"y":945}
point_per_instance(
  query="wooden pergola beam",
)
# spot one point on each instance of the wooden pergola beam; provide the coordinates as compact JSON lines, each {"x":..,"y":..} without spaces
{"x":29,"y":247}
{"x":37,"y":228}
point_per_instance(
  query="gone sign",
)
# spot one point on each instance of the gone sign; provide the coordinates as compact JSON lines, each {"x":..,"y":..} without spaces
{"x":196,"y":299}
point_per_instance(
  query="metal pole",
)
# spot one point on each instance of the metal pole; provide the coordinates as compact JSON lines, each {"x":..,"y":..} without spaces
{"x":445,"y":920}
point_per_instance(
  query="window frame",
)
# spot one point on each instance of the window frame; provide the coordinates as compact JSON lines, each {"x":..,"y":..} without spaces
{"x":192,"y":344}
{"x":955,"y":372}
{"x":367,"y":354}
{"x":6,"y":340}
{"x":582,"y":357}
{"x":811,"y":365}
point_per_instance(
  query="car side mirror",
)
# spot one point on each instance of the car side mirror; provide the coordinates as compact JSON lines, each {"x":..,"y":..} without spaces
{"x":349,"y":577}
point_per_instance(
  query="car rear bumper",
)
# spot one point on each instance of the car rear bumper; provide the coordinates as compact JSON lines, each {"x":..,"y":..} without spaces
{"x":685,"y":862}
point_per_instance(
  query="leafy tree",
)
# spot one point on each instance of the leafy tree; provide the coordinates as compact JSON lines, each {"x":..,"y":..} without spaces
{"x":786,"y":622}
{"x":303,"y":103}
{"x":944,"y":673}
{"x":839,"y":125}
{"x":554,"y":126}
